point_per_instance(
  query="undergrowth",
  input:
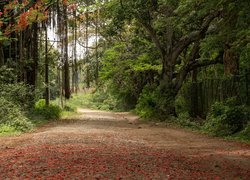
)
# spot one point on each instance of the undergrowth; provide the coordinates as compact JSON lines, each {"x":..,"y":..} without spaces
{"x":51,"y":111}
{"x":98,"y":100}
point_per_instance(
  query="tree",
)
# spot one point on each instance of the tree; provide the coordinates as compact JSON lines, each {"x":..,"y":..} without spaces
{"x":19,"y":35}
{"x":66,"y":61}
{"x":177,"y":28}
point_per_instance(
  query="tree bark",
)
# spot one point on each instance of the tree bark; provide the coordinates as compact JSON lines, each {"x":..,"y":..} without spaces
{"x":96,"y":47}
{"x":66,"y":62}
{"x":33,"y":56}
{"x":47,"y":98}
{"x":75,"y":55}
{"x":21,"y":60}
{"x":87,"y":44}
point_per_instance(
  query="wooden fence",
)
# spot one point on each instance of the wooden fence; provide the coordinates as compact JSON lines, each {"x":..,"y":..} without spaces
{"x":201,"y":95}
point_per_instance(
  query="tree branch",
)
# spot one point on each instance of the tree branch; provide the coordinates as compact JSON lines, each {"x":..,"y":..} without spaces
{"x":194,"y":64}
{"x":88,"y":47}
{"x":185,"y":41}
{"x":154,"y":37}
{"x":28,"y":6}
{"x":198,"y":63}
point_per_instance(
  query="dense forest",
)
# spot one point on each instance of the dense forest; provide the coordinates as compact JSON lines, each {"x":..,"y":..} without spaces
{"x":184,"y":61}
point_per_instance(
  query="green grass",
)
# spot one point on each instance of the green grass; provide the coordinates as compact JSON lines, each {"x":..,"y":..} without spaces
{"x":8,"y":131}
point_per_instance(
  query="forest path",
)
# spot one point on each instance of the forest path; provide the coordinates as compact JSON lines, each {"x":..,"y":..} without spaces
{"x":106,"y":145}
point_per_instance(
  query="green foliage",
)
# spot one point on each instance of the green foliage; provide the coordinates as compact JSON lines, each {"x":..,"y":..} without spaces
{"x":243,"y":135}
{"x":12,"y":116}
{"x":156,"y":102}
{"x":14,"y":100}
{"x":18,"y":93}
{"x":82,"y":100}
{"x":126,"y":67}
{"x":69,"y":108}
{"x":184,"y":120}
{"x":49,"y":112}
{"x":181,"y":104}
{"x":108,"y":99}
{"x":7,"y":75}
{"x":226,"y":118}
{"x":146,"y":106}
{"x":97,"y":99}
{"x":102,"y":100}
{"x":6,"y":129}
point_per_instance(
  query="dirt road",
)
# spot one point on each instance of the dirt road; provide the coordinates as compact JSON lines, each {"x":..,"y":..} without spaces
{"x":103,"y":145}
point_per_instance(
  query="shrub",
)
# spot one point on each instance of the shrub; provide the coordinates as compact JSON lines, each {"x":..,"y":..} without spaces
{"x":111,"y":100}
{"x":185,"y":120}
{"x":156,"y":102}
{"x":49,"y":112}
{"x":18,"y":93}
{"x":69,"y":108}
{"x":7,"y":75}
{"x":226,"y":118}
{"x":12,"y":116}
{"x":146,"y":106}
{"x":6,"y":129}
{"x":244,"y":134}
{"x":100,"y":96}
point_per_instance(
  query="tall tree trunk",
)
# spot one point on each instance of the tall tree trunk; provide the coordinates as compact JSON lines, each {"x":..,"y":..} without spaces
{"x":87,"y":46}
{"x":73,"y":63}
{"x":96,"y":47}
{"x":47,"y":98}
{"x":61,"y":47}
{"x":66,"y":62}
{"x":21,"y":60}
{"x":75,"y":54}
{"x":33,"y":55}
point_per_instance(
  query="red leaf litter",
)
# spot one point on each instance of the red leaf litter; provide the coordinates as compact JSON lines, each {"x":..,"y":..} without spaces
{"x":86,"y":148}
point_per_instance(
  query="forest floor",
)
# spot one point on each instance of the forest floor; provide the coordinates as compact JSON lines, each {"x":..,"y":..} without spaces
{"x":106,"y":145}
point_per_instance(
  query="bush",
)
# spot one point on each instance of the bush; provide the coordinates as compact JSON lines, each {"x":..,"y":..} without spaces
{"x":5,"y":129}
{"x":12,"y":116}
{"x":7,"y":75}
{"x":49,"y":112}
{"x":244,"y":134}
{"x":146,"y":106}
{"x":69,"y":108}
{"x":226,"y":118}
{"x":185,"y":120}
{"x":18,"y":93}
{"x":111,"y":100}
{"x":156,"y":102}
